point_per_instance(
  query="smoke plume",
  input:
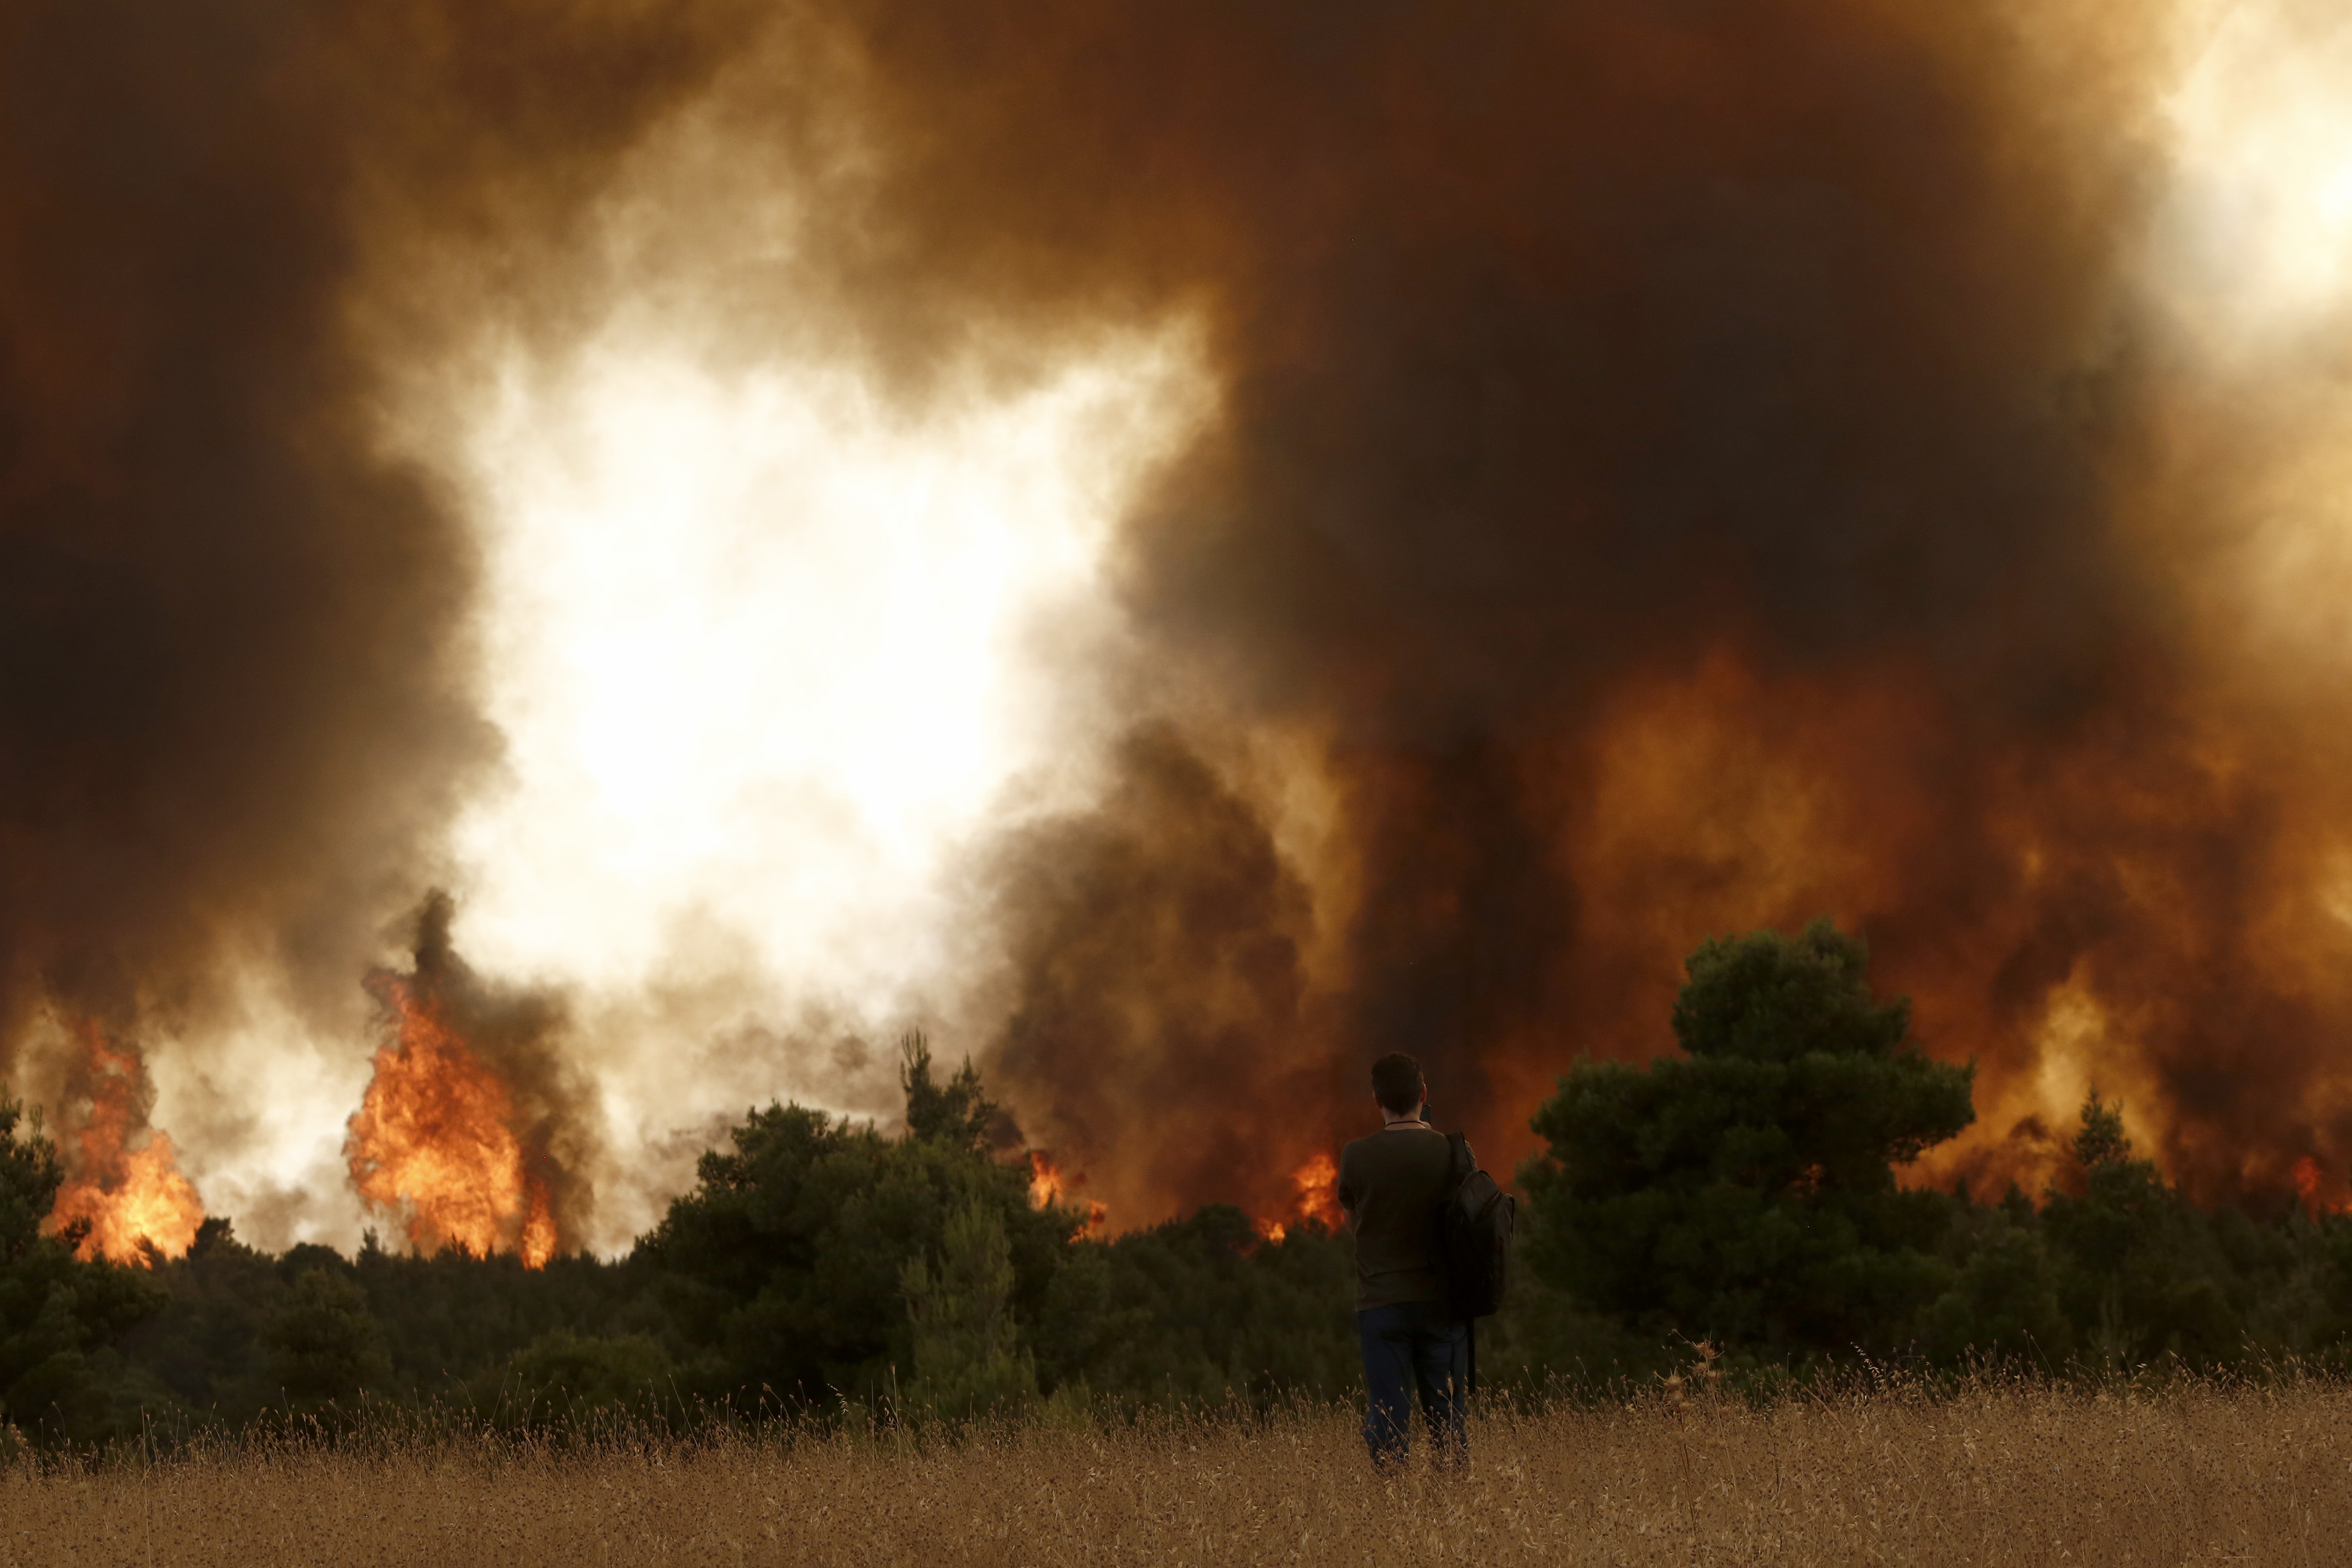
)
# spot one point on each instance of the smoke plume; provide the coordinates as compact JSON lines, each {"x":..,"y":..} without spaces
{"x":235,"y":712}
{"x":1676,"y":467}
{"x":1680,"y":468}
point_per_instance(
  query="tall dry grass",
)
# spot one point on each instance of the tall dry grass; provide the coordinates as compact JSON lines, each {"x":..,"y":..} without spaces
{"x":1994,"y":1474}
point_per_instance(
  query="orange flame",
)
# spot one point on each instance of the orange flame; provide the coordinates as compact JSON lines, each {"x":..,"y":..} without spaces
{"x":1048,"y":1187}
{"x":1045,"y":1181}
{"x":1317,"y":1181}
{"x":434,"y":1138}
{"x":137,"y":1204}
{"x":1315,"y":1188}
{"x":2307,"y":1181}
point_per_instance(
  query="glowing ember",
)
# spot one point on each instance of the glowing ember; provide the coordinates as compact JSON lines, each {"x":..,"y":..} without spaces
{"x":137,"y":1204}
{"x":434,"y":1140}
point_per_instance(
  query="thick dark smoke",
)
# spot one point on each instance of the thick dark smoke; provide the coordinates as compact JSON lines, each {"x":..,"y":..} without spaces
{"x":1161,"y":941}
{"x":1681,"y":468}
{"x":234,"y":668}
{"x":1680,"y":465}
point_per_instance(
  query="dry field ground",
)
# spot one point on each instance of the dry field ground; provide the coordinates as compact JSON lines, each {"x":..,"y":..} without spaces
{"x":2017,"y":1475}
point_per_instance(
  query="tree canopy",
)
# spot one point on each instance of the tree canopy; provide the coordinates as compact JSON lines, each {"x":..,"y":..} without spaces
{"x":61,"y":1375}
{"x":1744,"y":1190}
{"x":788,"y":1261}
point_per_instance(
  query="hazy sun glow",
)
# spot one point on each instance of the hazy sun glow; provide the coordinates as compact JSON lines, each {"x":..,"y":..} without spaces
{"x":2252,"y":256}
{"x":2259,"y":228}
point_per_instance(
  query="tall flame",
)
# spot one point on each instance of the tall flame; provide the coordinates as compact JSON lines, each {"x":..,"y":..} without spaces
{"x":1317,"y":1181}
{"x":2308,"y":1186}
{"x":434,"y":1140}
{"x":1315,"y":1196}
{"x":1048,"y":1186}
{"x":1045,"y":1180}
{"x":137,"y":1204}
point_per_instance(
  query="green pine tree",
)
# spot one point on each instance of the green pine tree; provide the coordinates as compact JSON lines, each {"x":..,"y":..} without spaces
{"x":966,"y":1360}
{"x":1745,"y":1191}
{"x":326,"y":1346}
{"x":61,"y":1378}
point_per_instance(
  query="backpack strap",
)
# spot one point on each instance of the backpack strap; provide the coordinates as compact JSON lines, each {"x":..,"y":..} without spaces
{"x":1460,"y":1167}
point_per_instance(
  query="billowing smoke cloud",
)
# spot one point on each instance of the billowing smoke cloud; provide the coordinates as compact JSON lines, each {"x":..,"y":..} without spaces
{"x":1681,"y":467}
{"x":1676,"y":468}
{"x":234,"y":714}
{"x":1160,"y":944}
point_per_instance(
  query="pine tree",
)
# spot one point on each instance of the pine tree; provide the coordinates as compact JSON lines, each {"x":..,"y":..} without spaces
{"x":60,"y":1317}
{"x":326,"y":1347}
{"x":966,"y":1360}
{"x":1745,"y":1192}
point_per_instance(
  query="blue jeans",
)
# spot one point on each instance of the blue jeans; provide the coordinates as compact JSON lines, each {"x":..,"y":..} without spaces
{"x":1414,"y":1344}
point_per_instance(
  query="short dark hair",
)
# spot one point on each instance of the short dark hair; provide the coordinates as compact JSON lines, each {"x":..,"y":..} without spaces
{"x":1396,"y":1082}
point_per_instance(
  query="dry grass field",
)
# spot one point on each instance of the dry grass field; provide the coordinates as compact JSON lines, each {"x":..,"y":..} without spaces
{"x":1999,"y":1475}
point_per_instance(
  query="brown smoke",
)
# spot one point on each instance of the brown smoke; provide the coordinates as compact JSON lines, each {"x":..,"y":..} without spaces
{"x":1681,"y":467}
{"x":1159,"y":940}
{"x":233,"y":660}
{"x":1678,"y":467}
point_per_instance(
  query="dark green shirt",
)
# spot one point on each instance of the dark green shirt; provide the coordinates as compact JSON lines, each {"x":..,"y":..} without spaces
{"x":1391,"y":1184}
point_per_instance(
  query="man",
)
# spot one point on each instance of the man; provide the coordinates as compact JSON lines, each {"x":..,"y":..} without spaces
{"x":1391,"y":1186}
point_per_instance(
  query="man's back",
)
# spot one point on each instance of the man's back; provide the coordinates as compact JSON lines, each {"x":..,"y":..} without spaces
{"x":1391,"y":1183}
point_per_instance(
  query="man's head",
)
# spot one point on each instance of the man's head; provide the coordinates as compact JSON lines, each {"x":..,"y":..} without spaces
{"x":1396,"y":1083}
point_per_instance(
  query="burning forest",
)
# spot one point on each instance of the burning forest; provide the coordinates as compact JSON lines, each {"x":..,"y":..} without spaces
{"x":462,"y":1137}
{"x":124,"y":1198}
{"x":1521,"y":491}
{"x":434,"y":1141}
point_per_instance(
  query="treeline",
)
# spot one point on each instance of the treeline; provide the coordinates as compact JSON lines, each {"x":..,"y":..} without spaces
{"x":1744,"y":1193}
{"x":1740,"y":1196}
{"x":816,"y":1262}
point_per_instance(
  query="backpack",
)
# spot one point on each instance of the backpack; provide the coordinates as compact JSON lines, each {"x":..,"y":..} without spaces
{"x":1474,"y":1234}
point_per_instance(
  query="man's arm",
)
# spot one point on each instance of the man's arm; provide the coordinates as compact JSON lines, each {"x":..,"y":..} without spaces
{"x":1350,"y":1192}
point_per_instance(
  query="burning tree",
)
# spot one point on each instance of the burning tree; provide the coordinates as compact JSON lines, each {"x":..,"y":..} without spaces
{"x":458,"y":1133}
{"x":125,"y":1198}
{"x":434,"y":1138}
{"x":56,"y":1308}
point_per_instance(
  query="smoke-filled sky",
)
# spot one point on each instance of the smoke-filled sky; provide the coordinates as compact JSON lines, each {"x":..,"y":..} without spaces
{"x":1176,"y":546}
